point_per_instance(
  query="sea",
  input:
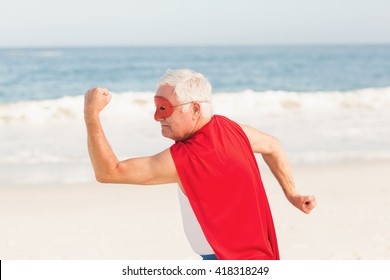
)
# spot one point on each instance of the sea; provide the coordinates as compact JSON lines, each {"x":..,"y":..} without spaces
{"x":326,"y":103}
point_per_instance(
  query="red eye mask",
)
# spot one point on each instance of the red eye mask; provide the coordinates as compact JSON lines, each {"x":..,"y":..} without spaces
{"x":164,"y":108}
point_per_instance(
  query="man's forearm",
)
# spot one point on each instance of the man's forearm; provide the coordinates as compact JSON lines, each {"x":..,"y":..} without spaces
{"x":280,"y":166}
{"x":102,"y":157}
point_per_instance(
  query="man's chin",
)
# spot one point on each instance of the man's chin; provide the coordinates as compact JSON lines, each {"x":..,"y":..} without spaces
{"x":166,"y":134}
{"x":170,"y":136}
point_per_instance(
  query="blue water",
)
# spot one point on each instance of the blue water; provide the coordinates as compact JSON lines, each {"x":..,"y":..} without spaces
{"x":37,"y":74}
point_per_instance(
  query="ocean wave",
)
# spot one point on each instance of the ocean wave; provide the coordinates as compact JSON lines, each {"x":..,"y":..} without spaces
{"x":312,"y":126}
{"x":325,"y":101}
{"x":140,"y":104}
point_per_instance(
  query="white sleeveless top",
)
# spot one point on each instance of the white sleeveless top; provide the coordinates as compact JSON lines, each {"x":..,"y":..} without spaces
{"x":192,"y":228}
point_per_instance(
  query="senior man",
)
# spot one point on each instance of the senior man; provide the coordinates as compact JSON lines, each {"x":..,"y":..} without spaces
{"x":224,"y":205}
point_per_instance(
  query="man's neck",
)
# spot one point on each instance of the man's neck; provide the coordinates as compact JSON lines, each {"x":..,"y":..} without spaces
{"x":200,"y":123}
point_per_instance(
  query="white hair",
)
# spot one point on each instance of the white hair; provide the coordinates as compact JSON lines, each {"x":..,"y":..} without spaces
{"x":190,"y":86}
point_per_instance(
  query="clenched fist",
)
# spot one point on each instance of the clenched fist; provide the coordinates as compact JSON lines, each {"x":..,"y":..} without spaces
{"x":305,"y":203}
{"x":95,"y":100}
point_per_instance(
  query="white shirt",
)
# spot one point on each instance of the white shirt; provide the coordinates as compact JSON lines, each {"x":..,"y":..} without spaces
{"x":192,"y":227}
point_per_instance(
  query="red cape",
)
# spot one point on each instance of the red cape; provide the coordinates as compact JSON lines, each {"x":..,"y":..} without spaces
{"x":222,"y":181}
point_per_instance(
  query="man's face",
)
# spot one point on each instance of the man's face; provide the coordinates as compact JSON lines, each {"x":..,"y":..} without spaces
{"x":179,"y":125}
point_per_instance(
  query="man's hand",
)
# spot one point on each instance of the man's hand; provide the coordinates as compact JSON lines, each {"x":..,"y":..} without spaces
{"x":305,"y":203}
{"x":95,"y":100}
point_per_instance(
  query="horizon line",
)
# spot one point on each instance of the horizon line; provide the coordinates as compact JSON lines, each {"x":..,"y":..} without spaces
{"x":196,"y":45}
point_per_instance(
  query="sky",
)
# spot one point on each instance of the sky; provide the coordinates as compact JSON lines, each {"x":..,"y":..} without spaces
{"x":67,"y":23}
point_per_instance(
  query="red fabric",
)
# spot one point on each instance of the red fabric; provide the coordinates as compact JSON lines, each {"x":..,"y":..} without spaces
{"x":222,"y":181}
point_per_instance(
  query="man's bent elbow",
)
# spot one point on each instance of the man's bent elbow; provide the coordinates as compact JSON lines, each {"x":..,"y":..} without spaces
{"x":276,"y":144}
{"x":271,"y":146}
{"x":106,"y":178}
{"x":102,"y":179}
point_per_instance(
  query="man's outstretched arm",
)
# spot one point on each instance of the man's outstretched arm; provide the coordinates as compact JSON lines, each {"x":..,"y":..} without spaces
{"x":157,"y":169}
{"x":275,"y":157}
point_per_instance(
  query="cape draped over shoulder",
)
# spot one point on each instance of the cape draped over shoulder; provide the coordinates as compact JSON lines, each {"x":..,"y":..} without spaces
{"x":222,"y":181}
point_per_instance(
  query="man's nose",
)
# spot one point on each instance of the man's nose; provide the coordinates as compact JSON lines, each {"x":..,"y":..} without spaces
{"x":158,"y":117}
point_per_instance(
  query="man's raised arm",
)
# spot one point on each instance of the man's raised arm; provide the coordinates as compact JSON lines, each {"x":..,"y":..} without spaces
{"x":275,"y":157}
{"x":157,"y":169}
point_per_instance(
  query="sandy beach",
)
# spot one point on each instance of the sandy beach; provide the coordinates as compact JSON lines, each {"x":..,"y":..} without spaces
{"x":95,"y":221}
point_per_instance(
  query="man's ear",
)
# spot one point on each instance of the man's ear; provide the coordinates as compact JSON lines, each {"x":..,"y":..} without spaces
{"x":196,"y":108}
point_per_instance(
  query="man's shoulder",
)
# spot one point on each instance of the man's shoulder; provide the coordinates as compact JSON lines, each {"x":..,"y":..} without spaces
{"x":225,"y":121}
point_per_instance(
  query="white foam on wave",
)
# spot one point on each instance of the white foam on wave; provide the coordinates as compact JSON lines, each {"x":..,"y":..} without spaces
{"x":68,"y":109}
{"x":140,"y":104}
{"x":40,"y":111}
{"x":282,"y":101}
{"x":41,"y":137}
